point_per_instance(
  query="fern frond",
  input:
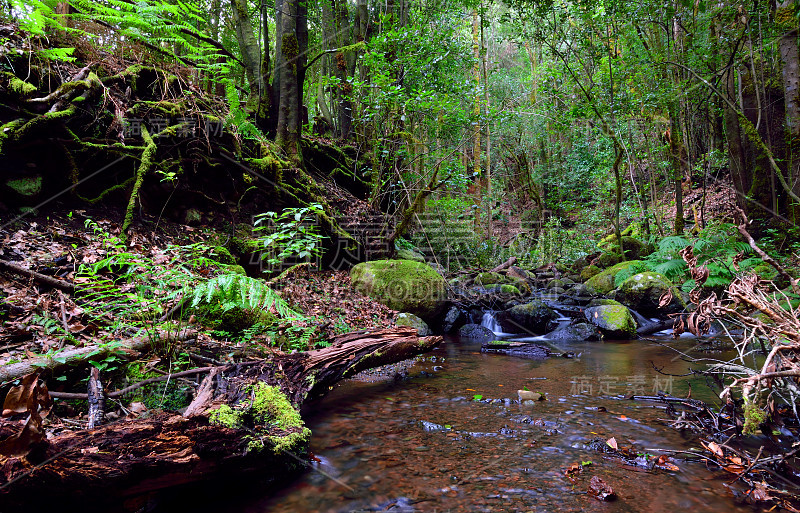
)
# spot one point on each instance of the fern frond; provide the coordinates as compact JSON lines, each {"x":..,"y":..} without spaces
{"x":234,"y":290}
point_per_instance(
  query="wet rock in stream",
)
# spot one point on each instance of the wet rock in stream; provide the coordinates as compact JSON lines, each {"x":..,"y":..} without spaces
{"x":518,"y":349}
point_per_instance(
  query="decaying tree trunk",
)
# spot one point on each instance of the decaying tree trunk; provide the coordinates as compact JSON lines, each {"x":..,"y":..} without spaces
{"x":140,"y":456}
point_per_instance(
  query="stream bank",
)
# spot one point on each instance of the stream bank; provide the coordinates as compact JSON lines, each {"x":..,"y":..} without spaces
{"x":427,"y":444}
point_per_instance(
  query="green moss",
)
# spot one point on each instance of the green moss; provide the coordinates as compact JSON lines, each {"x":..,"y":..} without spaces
{"x":27,"y":187}
{"x":590,"y":271}
{"x":226,"y":416}
{"x":402,"y":285}
{"x":21,"y":87}
{"x":272,"y":416}
{"x":235,"y":269}
{"x":754,"y":416}
{"x":144,"y":166}
{"x":509,"y":289}
{"x":604,"y":281}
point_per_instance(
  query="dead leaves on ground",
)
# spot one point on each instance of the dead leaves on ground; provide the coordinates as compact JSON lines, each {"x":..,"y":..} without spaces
{"x":32,"y":398}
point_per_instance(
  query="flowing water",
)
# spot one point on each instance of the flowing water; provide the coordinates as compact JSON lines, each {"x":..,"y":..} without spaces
{"x":454,"y":437}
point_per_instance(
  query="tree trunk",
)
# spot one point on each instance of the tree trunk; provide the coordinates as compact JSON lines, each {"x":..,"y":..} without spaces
{"x":288,"y":131}
{"x":785,"y":17}
{"x":258,"y":99}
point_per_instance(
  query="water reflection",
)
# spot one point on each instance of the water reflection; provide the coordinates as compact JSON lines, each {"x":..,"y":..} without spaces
{"x":427,"y":444}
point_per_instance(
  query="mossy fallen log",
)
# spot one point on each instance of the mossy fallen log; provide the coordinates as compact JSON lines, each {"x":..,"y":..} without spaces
{"x":246,"y":422}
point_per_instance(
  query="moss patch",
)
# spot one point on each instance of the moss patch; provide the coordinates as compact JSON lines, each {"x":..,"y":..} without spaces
{"x":604,"y":281}
{"x":27,"y":187}
{"x":271,"y":416}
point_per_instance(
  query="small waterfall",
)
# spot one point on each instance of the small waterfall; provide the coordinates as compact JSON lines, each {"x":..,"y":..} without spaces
{"x":489,"y":321}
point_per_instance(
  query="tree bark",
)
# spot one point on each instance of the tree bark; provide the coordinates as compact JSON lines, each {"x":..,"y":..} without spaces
{"x":288,"y":134}
{"x":785,"y":16}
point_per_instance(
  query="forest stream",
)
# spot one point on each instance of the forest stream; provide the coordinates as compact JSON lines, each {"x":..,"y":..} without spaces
{"x":428,"y":443}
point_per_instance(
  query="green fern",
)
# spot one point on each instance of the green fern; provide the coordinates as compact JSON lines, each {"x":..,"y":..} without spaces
{"x":232,"y":290}
{"x":672,"y":269}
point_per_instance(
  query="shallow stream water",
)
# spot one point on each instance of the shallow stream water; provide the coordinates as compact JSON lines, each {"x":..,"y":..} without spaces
{"x":425,"y":443}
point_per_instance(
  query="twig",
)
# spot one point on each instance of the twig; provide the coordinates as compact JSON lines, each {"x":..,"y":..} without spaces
{"x":121,"y":392}
{"x":41,"y":278}
{"x":742,"y":227}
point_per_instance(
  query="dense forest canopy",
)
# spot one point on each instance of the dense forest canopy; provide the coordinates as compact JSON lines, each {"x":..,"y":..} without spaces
{"x":555,"y":105}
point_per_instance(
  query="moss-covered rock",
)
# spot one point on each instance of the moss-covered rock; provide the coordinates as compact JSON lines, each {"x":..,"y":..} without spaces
{"x":608,"y":259}
{"x":407,"y":319}
{"x":407,"y":254}
{"x":509,"y":289}
{"x":643,"y":291}
{"x":604,"y":281}
{"x":613,"y":321}
{"x":634,"y":248}
{"x":534,"y":316}
{"x":275,"y":424}
{"x":235,"y":269}
{"x":222,"y":255}
{"x":403,"y":285}
{"x":27,"y":188}
{"x":555,"y":283}
{"x":590,"y":271}
{"x":603,"y":302}
{"x":487,"y":278}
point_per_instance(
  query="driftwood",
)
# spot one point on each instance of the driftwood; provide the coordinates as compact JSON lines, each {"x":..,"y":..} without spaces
{"x":83,"y":354}
{"x":135,"y":457}
{"x":505,"y":265}
{"x":41,"y":278}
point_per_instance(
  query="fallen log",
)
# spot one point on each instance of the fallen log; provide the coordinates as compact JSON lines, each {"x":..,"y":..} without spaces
{"x":649,"y":329}
{"x":84,"y":354}
{"x":228,"y":432}
{"x":505,"y":265}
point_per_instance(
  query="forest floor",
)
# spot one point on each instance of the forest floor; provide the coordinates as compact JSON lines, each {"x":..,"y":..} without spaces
{"x":42,"y":321}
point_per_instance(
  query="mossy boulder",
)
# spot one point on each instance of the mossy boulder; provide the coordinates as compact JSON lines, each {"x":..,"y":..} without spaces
{"x":608,"y":259}
{"x":403,"y":285}
{"x":614,"y":321}
{"x":407,"y":319}
{"x":590,"y":271}
{"x":634,"y":248}
{"x":26,"y":189}
{"x":408,"y":254}
{"x":604,"y":281}
{"x":222,"y":255}
{"x":643,"y":291}
{"x":555,"y":283}
{"x":535,"y":316}
{"x":487,"y":278}
{"x":604,"y":302}
{"x":509,"y":289}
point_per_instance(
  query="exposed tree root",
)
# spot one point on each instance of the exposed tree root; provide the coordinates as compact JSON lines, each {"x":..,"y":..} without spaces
{"x":147,"y":161}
